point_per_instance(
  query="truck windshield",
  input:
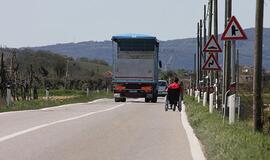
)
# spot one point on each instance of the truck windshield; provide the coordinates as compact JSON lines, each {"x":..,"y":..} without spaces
{"x":137,"y":45}
{"x":162,"y":83}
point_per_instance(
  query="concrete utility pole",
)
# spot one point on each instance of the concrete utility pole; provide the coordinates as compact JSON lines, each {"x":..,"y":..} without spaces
{"x":224,"y":58}
{"x":227,"y":53}
{"x":257,"y":82}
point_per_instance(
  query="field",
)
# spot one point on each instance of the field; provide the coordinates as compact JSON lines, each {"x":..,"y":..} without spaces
{"x":222,"y":141}
{"x":56,"y":98}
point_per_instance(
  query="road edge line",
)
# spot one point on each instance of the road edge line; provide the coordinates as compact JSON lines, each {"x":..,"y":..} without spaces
{"x":47,"y":108}
{"x":194,"y":143}
{"x":71,"y":104}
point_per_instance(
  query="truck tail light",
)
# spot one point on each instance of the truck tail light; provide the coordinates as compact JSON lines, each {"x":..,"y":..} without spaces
{"x":119,"y":87}
{"x":147,"y":89}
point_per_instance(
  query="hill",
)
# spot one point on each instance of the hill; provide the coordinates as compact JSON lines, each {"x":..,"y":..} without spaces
{"x":175,"y":54}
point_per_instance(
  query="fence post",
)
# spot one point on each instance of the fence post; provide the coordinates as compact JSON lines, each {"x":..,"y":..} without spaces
{"x":8,"y":98}
{"x":232,"y":109}
{"x":87,"y":92}
{"x":211,"y":102}
{"x":191,"y":92}
{"x":47,"y":93}
{"x":199,"y":98}
{"x":204,"y":98}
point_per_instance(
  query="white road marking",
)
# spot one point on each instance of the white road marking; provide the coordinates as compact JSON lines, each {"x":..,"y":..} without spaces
{"x":65,"y":105}
{"x":11,"y":112}
{"x":72,"y":104}
{"x":195,"y":146}
{"x":98,"y":100}
{"x":48,"y":108}
{"x":16,"y":134}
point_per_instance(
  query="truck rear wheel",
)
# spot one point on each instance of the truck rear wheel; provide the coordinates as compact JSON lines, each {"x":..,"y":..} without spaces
{"x":117,"y":99}
{"x":123,"y":100}
{"x":147,"y":100}
{"x":154,"y":100}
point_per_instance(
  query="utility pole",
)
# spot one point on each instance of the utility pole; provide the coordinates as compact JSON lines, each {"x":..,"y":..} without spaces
{"x":233,"y":54}
{"x":215,"y":13}
{"x":257,"y":74}
{"x":227,"y":52}
{"x":204,"y":40}
{"x":224,"y":59}
{"x":210,"y":12}
{"x":195,"y":73}
{"x":204,"y":32}
{"x":215,"y":10}
{"x":237,"y":70}
{"x":201,"y":50}
{"x":198,"y":56}
{"x":228,"y":60}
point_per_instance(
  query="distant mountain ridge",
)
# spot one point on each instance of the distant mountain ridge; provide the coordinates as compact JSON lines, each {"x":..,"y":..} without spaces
{"x":175,"y":54}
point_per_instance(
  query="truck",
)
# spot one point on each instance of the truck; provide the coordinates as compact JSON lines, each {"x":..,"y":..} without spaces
{"x":135,"y":67}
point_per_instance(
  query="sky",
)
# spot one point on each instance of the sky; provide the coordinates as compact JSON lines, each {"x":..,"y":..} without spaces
{"x":28,"y":23}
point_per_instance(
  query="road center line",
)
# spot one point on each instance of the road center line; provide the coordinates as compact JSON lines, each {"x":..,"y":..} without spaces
{"x":16,"y":134}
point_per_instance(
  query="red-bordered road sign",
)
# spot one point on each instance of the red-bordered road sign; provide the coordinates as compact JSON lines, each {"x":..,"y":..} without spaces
{"x":212,"y":45}
{"x":233,"y":31}
{"x":211,"y":64}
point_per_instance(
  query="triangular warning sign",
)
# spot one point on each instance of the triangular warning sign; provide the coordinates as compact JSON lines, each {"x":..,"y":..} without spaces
{"x":211,"y":64}
{"x":234,"y":31}
{"x":212,"y":45}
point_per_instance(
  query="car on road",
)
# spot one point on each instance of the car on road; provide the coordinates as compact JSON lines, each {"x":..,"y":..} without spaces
{"x":162,"y":86}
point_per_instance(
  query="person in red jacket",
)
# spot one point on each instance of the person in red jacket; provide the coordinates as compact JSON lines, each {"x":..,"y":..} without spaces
{"x":176,"y":86}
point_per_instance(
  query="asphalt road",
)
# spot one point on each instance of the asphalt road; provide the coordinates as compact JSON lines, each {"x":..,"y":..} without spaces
{"x":103,"y":130}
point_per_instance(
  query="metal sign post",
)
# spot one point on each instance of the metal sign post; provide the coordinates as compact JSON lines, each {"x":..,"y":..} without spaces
{"x":232,"y":32}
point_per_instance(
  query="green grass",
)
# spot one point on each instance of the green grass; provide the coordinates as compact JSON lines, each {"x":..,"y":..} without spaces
{"x":64,"y":92}
{"x":222,"y":141}
{"x":43,"y":103}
